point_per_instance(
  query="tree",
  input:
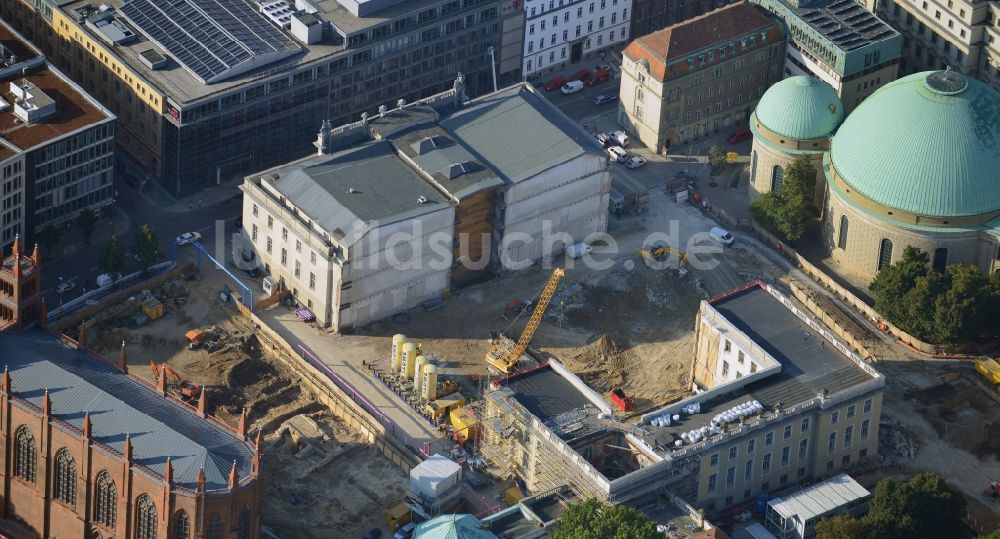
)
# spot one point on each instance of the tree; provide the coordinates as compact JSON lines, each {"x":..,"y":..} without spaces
{"x":840,"y":527}
{"x":48,"y":237}
{"x":791,"y":208}
{"x":716,"y":161}
{"x":993,"y":535}
{"x":87,"y":221}
{"x":591,"y":519}
{"x":112,"y":259}
{"x":893,"y":282}
{"x":146,"y":246}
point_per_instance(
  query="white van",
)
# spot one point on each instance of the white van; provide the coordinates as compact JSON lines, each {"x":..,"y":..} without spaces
{"x":620,"y":137}
{"x":618,"y":154}
{"x":578,"y":250}
{"x":405,"y":532}
{"x":721,"y":235}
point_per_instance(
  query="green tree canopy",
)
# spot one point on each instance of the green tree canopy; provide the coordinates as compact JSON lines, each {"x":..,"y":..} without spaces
{"x":48,"y":237}
{"x":146,"y":246}
{"x":789,"y":209}
{"x":924,"y":507}
{"x":87,"y":221}
{"x":716,"y":161}
{"x":591,"y":519}
{"x":112,"y":259}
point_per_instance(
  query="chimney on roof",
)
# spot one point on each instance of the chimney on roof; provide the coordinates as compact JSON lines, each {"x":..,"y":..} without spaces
{"x":127,"y":448}
{"x":201,"y":402}
{"x":459,"y":88}
{"x":323,"y":138}
{"x":160,"y":371}
{"x":168,"y":473}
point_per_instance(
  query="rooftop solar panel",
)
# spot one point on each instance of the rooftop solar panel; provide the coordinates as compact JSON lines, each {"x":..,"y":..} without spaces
{"x":213,"y":39}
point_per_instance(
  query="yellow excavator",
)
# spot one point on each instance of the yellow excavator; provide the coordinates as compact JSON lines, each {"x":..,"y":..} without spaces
{"x":659,"y":252}
{"x":502,"y":356}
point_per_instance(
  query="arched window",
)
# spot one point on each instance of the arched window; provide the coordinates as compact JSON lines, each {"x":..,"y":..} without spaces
{"x":182,"y":526}
{"x":214,"y":528}
{"x":145,"y":517}
{"x":777,"y":175}
{"x":65,"y":482}
{"x":940,"y":259}
{"x":106,"y":501}
{"x":94,"y":534}
{"x":884,"y":254}
{"x":243,"y":524}
{"x":25,"y":455}
{"x":842,"y":238}
{"x":753,"y":166}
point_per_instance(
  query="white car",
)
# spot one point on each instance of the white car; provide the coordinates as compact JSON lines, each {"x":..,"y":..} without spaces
{"x":188,"y":237}
{"x":65,"y":286}
{"x":620,"y":137}
{"x":721,"y":235}
{"x":635,"y":162}
{"x":618,"y":154}
{"x":571,"y":87}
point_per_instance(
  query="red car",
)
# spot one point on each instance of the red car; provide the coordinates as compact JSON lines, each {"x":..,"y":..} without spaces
{"x":555,"y":83}
{"x":740,"y":135}
{"x":581,"y":75}
{"x":599,"y":76}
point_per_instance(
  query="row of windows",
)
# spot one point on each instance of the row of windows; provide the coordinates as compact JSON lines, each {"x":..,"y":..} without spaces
{"x":539,"y":60}
{"x":579,"y":10}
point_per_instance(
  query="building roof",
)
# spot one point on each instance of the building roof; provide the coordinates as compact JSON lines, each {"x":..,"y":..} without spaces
{"x":674,"y":42}
{"x":356,"y":189}
{"x":517,"y":133}
{"x":546,"y":393}
{"x":435,"y":153}
{"x":820,"y":498}
{"x":118,"y":405}
{"x":927,"y":144}
{"x":463,"y":526}
{"x":16,"y":45}
{"x":74,"y":110}
{"x":800,"y":108}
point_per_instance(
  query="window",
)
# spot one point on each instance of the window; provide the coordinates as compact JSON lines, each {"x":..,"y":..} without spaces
{"x":832,"y":443}
{"x":765,"y":465}
{"x":298,"y":269}
{"x":106,"y":504}
{"x":25,"y":455}
{"x":850,"y":410}
{"x":753,"y":165}
{"x":270,"y":222}
{"x":739,"y":357}
{"x":846,"y":460}
{"x":731,"y":477}
{"x":842,"y":238}
{"x":145,"y":515}
{"x":940,"y":259}
{"x":729,"y":345}
{"x":243,"y":524}
{"x":725,"y":368}
{"x":255,"y":210}
{"x":182,"y":526}
{"x":785,"y":455}
{"x":834,"y":418}
{"x":884,"y":253}
{"x":312,"y":257}
{"x":751,"y":445}
{"x":253,"y":233}
{"x":284,"y":234}
{"x":269,"y":244}
{"x":213,"y":530}
{"x":65,"y":480}
{"x":788,"y":432}
{"x":805,"y":424}
{"x":713,"y":460}
{"x":753,"y":366}
{"x":732,"y":453}
{"x":862,"y":454}
{"x":868,"y":406}
{"x":803,"y":447}
{"x":711,"y":482}
{"x":865,"y":426}
{"x":298,"y":246}
{"x":312,"y":281}
{"x":284,"y":256}
{"x":768,"y":439}
{"x":777,"y":175}
{"x":848,"y":435}
{"x":748,"y":471}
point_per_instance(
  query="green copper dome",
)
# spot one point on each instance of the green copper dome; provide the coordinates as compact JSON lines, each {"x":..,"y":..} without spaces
{"x":800,"y":108}
{"x":927,"y":144}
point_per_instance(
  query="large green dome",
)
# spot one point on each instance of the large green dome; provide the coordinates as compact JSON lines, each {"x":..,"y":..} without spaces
{"x":927,"y":144}
{"x":800,"y":108}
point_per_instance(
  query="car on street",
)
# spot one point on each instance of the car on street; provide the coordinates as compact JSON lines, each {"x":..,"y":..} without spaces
{"x":571,"y":87}
{"x":599,"y":76}
{"x":635,"y":162}
{"x":604,"y":99}
{"x":604,"y":139}
{"x":65,"y":286}
{"x":620,"y":137}
{"x":618,"y":154}
{"x":188,"y":237}
{"x":740,"y":135}
{"x":582,"y":75}
{"x":721,"y":235}
{"x":555,"y":83}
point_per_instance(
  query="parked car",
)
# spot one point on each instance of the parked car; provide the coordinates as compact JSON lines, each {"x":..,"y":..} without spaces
{"x":571,"y":87}
{"x":555,"y":83}
{"x":618,"y":154}
{"x":65,"y":286}
{"x":188,"y":237}
{"x":577,"y":250}
{"x":605,"y":140}
{"x":604,"y":99}
{"x":581,"y":75}
{"x":105,"y":280}
{"x":599,"y":76}
{"x":740,"y":135}
{"x":620,"y":137}
{"x":721,"y":235}
{"x":635,"y":162}
{"x":405,"y":532}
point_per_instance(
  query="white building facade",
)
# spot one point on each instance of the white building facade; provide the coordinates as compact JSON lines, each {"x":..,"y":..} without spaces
{"x":561,"y":32}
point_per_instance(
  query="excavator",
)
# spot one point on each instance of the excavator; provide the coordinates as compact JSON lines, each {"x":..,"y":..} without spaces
{"x":188,"y":391}
{"x":660,"y":252}
{"x":502,"y":356}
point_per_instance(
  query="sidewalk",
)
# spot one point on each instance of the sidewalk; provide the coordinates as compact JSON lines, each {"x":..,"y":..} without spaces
{"x":154,"y":193}
{"x":71,"y":241}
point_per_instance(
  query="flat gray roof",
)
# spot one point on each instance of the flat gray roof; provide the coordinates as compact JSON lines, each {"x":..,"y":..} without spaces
{"x":545,"y":393}
{"x":437,"y":161}
{"x":845,"y":22}
{"x":356,"y":187}
{"x":821,"y":498}
{"x":118,"y":405}
{"x":517,"y":132}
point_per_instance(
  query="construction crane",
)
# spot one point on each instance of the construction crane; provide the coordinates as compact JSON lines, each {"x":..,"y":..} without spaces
{"x":660,"y":252}
{"x":504,"y":359}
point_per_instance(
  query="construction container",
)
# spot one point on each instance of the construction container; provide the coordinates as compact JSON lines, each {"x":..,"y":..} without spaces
{"x":512,"y":495}
{"x":465,"y":424}
{"x":396,"y":359}
{"x":620,"y":400}
{"x":429,"y":382}
{"x":438,"y":408}
{"x":408,"y":360}
{"x":435,"y":477}
{"x":152,"y":308}
{"x":989,"y":368}
{"x":397,"y":516}
{"x":418,"y":368}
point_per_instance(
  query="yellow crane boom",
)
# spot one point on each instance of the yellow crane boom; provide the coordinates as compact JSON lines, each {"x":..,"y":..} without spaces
{"x":504,"y":360}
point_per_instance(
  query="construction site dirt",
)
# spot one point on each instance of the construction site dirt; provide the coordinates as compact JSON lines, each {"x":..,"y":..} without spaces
{"x":318,"y":475}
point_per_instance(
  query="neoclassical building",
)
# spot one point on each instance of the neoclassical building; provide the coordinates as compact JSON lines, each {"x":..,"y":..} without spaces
{"x":916,"y":164}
